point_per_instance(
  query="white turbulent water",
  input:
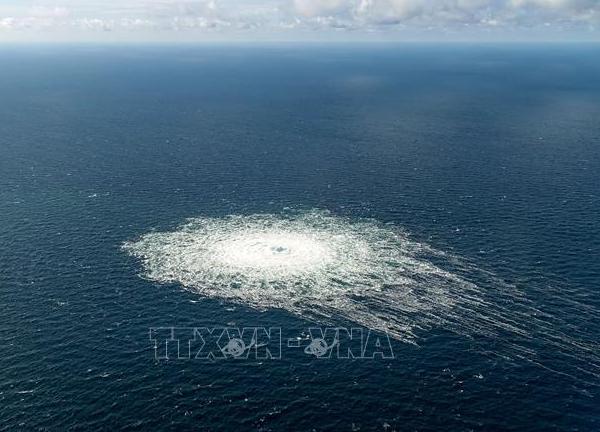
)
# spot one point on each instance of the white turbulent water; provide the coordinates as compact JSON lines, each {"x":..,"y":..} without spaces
{"x":329,"y":269}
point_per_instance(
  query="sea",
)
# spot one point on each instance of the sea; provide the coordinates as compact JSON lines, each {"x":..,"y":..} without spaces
{"x":442,"y":200}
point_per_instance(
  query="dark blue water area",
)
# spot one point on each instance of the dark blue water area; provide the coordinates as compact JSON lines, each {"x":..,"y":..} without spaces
{"x":489,"y":152}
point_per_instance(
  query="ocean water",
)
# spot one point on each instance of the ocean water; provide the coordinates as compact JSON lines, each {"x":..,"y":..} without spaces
{"x":447,"y":195}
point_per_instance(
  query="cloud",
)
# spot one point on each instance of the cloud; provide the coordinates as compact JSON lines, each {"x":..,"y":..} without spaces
{"x":301,"y":17}
{"x":48,"y":12}
{"x":312,"y":8}
{"x":387,"y":12}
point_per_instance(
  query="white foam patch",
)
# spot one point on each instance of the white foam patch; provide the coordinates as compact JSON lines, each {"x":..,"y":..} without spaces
{"x":311,"y":264}
{"x":330,"y":269}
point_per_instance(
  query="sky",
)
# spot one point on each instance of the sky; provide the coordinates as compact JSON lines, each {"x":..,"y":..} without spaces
{"x":299,"y":20}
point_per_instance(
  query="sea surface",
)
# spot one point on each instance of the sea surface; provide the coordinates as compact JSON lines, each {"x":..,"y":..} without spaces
{"x":487,"y":157}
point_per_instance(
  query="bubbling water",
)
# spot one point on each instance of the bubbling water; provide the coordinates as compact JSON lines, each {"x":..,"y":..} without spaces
{"x":312,"y":264}
{"x":282,"y":251}
{"x":331,"y":269}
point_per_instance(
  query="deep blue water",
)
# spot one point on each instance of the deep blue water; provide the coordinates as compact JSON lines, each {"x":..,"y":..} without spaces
{"x":490,"y":152}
